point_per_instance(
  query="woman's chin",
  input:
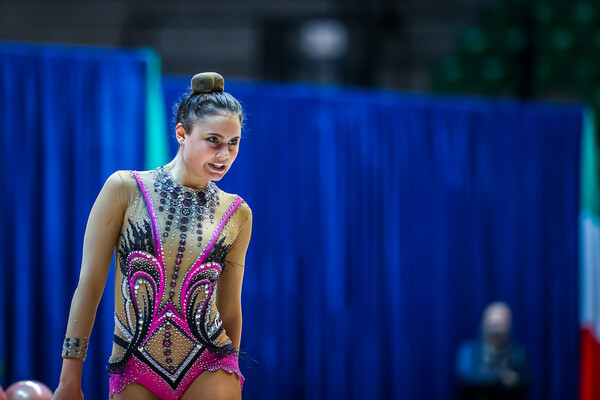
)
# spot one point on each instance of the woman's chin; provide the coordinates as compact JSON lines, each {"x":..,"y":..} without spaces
{"x":216,"y":174}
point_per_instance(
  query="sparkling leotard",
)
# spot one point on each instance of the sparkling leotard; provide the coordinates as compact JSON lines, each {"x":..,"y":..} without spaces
{"x":175,"y":243}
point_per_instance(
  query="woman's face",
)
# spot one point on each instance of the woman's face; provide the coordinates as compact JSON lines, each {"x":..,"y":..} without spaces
{"x":211,"y":146}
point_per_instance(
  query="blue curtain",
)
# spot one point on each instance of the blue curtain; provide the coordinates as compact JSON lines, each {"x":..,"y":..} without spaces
{"x":383,"y":225}
{"x":69,"y":117}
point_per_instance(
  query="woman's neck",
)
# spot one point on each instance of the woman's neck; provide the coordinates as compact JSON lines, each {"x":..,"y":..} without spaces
{"x":183,"y":176}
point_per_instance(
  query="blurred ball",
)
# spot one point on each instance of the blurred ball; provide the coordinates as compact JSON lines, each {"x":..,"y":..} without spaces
{"x":28,"y":390}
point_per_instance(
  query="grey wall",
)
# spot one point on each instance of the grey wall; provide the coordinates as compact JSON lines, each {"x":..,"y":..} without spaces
{"x":228,"y":36}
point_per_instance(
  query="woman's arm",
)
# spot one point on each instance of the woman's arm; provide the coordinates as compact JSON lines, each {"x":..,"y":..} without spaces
{"x":101,"y":234}
{"x":229,"y":288}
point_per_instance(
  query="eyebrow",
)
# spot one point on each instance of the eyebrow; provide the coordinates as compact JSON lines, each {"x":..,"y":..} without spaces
{"x":221,"y":136}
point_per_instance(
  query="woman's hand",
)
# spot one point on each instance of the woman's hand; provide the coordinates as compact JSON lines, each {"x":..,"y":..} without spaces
{"x":68,"y":392}
{"x":69,"y":386}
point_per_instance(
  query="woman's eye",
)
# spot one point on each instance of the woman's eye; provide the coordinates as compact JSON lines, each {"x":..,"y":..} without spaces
{"x":213,"y":139}
{"x":233,"y":141}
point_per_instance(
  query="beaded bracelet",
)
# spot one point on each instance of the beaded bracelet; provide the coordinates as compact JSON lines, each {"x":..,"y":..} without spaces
{"x":75,"y":348}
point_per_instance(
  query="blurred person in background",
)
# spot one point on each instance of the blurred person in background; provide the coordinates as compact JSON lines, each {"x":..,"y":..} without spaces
{"x":493,"y":367}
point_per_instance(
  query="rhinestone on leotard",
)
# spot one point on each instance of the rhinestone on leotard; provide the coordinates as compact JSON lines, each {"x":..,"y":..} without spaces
{"x":191,"y":205}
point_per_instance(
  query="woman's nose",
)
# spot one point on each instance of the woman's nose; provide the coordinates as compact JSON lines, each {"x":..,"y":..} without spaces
{"x":223,"y":153}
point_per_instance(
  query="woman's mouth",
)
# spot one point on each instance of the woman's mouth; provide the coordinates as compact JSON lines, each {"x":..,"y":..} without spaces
{"x":217,"y":167}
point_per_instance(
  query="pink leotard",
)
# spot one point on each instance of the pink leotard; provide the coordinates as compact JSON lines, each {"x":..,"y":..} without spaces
{"x":174,"y":245}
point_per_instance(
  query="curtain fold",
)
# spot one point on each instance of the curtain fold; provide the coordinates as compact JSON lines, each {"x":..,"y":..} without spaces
{"x":69,"y":117}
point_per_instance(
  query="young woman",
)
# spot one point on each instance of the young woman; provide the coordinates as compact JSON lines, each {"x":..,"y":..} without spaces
{"x":180,"y":248}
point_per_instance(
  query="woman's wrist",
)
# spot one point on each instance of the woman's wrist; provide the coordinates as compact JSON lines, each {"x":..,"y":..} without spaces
{"x":71,"y":371}
{"x":75,"y":348}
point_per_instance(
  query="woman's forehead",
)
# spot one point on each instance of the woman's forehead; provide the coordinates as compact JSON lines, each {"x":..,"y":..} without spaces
{"x":225,"y":125}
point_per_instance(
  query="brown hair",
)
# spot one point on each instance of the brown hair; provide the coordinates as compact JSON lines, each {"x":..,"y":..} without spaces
{"x":207,"y":98}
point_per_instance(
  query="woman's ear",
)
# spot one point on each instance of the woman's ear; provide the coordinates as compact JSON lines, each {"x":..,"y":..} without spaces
{"x":180,"y":133}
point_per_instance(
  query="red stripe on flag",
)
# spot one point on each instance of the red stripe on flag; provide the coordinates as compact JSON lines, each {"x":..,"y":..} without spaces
{"x":590,"y":366}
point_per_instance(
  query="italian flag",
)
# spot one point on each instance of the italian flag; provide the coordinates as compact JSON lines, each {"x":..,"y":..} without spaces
{"x":589,"y":219}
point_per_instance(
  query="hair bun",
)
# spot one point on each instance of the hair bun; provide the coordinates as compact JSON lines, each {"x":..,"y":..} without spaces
{"x":207,"y":82}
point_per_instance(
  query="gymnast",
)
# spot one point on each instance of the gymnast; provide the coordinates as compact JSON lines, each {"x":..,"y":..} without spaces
{"x":180,"y":244}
